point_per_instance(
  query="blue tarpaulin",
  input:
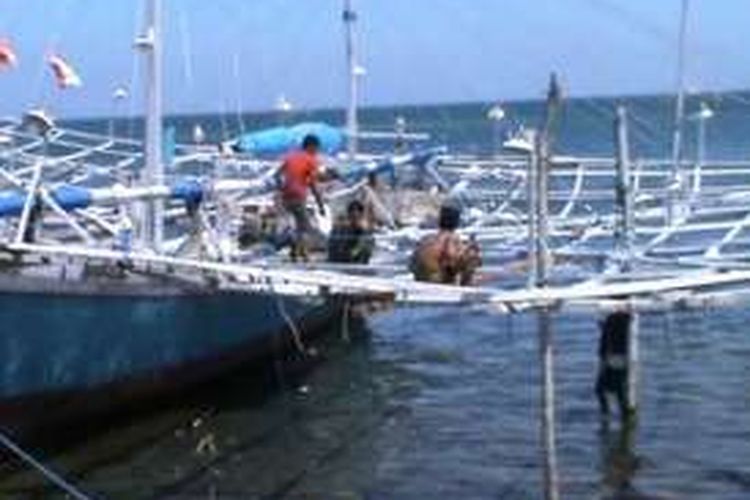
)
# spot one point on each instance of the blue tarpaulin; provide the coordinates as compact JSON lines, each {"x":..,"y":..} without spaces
{"x":68,"y":197}
{"x":11,"y":203}
{"x":280,"y":140}
{"x":72,"y":197}
{"x":190,"y":191}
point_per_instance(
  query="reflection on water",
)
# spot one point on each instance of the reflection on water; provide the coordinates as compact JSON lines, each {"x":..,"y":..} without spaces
{"x":442,"y":403}
{"x":619,"y":461}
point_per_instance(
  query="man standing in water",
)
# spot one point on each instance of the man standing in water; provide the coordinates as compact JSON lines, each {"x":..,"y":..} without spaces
{"x":444,"y":257}
{"x":613,"y":363}
{"x":299,"y":174}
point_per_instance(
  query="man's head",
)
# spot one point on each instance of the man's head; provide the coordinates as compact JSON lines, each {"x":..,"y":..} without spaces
{"x":311,"y":144}
{"x":355,"y":213}
{"x":450,"y":218}
{"x":617,"y":322}
{"x":372,"y":179}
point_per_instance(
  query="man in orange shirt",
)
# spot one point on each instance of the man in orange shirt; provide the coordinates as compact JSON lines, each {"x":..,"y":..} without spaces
{"x":299,"y":174}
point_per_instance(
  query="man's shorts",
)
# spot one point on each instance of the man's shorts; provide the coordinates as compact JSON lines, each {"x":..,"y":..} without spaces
{"x":612,"y":380}
{"x":298,"y":211}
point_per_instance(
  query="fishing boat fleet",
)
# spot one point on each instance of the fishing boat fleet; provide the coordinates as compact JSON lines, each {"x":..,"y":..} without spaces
{"x":123,"y":274}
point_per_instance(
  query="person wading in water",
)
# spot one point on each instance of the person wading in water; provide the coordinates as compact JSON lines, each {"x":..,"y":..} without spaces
{"x":299,"y":174}
{"x":444,"y":257}
{"x":613,"y":363}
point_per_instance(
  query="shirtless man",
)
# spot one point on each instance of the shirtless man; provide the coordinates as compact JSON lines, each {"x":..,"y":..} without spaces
{"x":613,"y":363}
{"x":444,"y":257}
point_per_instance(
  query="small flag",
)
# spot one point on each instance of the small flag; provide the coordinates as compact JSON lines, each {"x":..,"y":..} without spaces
{"x":8,"y":57}
{"x":65,"y":75}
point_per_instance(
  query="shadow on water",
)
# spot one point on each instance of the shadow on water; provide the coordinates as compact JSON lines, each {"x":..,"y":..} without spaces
{"x":255,"y":433}
{"x":621,"y":464}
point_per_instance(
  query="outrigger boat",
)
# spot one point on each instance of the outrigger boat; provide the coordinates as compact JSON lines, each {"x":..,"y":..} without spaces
{"x":101,"y":302}
{"x":114,"y":318}
{"x":84,"y":327}
{"x":82,"y":334}
{"x":96,"y":323}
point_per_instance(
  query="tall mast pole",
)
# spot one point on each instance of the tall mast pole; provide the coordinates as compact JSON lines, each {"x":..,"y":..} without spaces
{"x":352,"y":123}
{"x":679,"y":119}
{"x":153,"y":230}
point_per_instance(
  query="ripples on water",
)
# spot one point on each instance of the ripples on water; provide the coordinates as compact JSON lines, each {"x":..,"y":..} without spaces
{"x":442,"y":403}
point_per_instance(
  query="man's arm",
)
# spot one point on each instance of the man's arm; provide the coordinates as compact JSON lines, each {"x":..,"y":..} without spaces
{"x":278,"y":175}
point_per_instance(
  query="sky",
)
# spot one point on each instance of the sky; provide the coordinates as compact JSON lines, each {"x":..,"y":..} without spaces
{"x":225,"y":55}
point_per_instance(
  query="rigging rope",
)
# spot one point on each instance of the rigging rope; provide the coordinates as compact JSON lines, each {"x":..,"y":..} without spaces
{"x":46,"y":472}
{"x":293,"y":329}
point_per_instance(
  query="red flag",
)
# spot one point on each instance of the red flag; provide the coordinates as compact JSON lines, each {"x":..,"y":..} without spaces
{"x":65,"y":75}
{"x":8,"y":57}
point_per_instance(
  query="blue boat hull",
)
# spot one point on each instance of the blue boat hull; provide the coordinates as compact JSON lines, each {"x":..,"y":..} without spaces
{"x":63,"y":355}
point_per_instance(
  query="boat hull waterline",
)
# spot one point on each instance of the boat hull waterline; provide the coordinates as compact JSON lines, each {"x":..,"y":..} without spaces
{"x":66,"y":354}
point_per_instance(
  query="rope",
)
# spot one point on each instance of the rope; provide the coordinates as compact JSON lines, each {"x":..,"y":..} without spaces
{"x":293,"y":329}
{"x":345,"y":322}
{"x":48,"y":474}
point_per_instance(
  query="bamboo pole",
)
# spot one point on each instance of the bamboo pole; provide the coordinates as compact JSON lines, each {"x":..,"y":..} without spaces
{"x":531,"y":195}
{"x":541,"y":165}
{"x":544,"y":322}
{"x":624,"y":243}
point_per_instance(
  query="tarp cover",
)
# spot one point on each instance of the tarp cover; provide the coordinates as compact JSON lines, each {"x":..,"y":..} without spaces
{"x":280,"y":140}
{"x":11,"y":203}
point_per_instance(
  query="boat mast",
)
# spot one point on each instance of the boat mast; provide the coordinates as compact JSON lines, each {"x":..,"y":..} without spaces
{"x":675,"y":187}
{"x":353,"y":70}
{"x":153,"y":223}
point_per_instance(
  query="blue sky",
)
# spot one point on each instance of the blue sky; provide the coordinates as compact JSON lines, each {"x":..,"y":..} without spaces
{"x":226,"y":54}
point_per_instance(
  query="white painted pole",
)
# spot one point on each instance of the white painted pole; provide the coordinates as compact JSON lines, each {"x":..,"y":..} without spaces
{"x":700,"y":155}
{"x":624,"y":241}
{"x":31,"y":200}
{"x":353,"y":70}
{"x":541,"y":210}
{"x":623,"y":192}
{"x":153,"y":223}
{"x":549,"y":433}
{"x":675,"y":192}
{"x":702,"y":118}
{"x":634,"y":359}
{"x":531,"y":195}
